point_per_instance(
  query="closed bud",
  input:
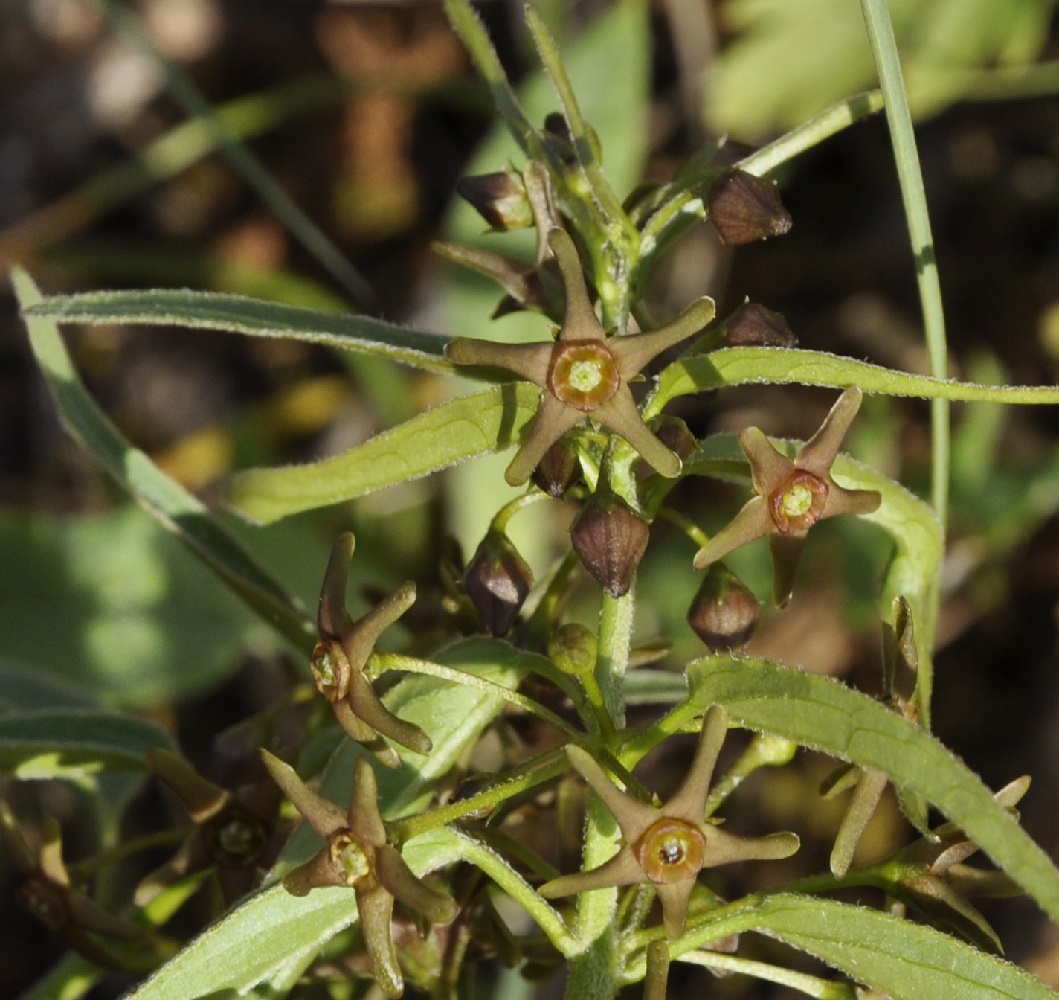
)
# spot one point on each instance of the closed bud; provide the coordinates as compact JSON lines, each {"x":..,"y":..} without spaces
{"x":724,"y":612}
{"x":498,"y":198}
{"x":745,"y":208}
{"x":497,"y":581}
{"x":557,"y":470}
{"x":753,"y":325}
{"x":610,"y":540}
{"x":676,"y":436}
{"x":573,"y":649}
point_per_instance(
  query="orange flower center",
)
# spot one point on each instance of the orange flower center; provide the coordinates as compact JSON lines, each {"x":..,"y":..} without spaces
{"x":583,"y":374}
{"x":799,"y":503}
{"x":671,"y":850}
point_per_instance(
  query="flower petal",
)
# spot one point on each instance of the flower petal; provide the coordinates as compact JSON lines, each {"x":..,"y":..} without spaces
{"x":323,"y":816}
{"x":786,"y":551}
{"x":620,"y":414}
{"x":819,"y":452}
{"x":579,"y":319}
{"x":376,"y":911}
{"x":633,"y":816}
{"x":397,"y":877}
{"x":622,"y":869}
{"x":674,"y":898}
{"x":331,"y":614}
{"x":552,"y":421}
{"x":635,"y":352}
{"x":753,"y":521}
{"x":689,"y":801}
{"x":363,"y":817}
{"x":769,"y":469}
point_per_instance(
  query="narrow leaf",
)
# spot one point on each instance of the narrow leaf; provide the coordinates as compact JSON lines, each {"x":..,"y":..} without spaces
{"x":821,"y":713}
{"x":784,"y":366}
{"x":903,"y":960}
{"x":166,"y":500}
{"x":75,"y":742}
{"x":449,"y":433}
{"x":253,"y":317}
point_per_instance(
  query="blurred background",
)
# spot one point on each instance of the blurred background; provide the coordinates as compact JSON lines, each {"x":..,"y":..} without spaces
{"x":306,"y":152}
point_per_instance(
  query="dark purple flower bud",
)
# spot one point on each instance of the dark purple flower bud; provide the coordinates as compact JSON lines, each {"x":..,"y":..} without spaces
{"x":752,"y":325}
{"x":676,"y":436}
{"x":724,"y":612}
{"x":497,"y":581}
{"x":745,"y":208}
{"x":558,"y":470}
{"x":610,"y":540}
{"x":498,"y":198}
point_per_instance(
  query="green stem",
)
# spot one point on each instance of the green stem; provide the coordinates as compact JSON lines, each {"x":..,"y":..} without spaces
{"x":899,"y":120}
{"x":814,"y":986}
{"x":535,"y":772}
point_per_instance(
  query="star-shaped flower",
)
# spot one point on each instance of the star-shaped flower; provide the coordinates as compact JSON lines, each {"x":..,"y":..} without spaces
{"x":46,"y":891}
{"x":584,"y":374}
{"x":668,"y":846}
{"x":792,"y":495}
{"x":341,"y":656}
{"x":357,"y":855}
{"x":231,"y":829}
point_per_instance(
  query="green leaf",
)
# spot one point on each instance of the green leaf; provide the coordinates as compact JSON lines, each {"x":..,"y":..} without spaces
{"x":272,"y":935}
{"x":452,"y":432}
{"x":23,"y":689}
{"x":101,"y":604}
{"x":903,"y":960}
{"x":73,"y":743}
{"x":784,"y":366}
{"x":167,"y":501}
{"x":253,"y":317}
{"x":823,"y":714}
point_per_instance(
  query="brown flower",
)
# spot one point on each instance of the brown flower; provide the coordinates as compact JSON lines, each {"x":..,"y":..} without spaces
{"x":583,"y":374}
{"x":231,"y":829}
{"x":357,"y":855}
{"x":341,"y":656}
{"x":792,"y":496}
{"x":47,"y":893}
{"x":668,"y":846}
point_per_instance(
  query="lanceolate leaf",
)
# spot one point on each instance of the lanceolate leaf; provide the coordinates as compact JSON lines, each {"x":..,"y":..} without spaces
{"x":166,"y":500}
{"x":68,"y":743}
{"x":747,"y":365}
{"x":254,"y":317}
{"x":821,"y":713}
{"x":902,"y":960}
{"x":450,"y":433}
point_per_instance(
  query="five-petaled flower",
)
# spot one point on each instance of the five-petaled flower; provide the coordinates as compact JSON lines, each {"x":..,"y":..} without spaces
{"x":583,"y":374}
{"x":341,"y":657}
{"x":47,"y":893}
{"x":231,"y":830}
{"x":792,"y":495}
{"x":668,"y":846}
{"x":356,"y":854}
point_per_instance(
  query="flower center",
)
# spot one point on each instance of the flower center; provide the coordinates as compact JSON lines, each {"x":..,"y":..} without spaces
{"x":799,"y":503}
{"x":350,"y":858}
{"x":330,"y":671}
{"x":583,"y":374}
{"x":671,"y":850}
{"x":236,"y":840}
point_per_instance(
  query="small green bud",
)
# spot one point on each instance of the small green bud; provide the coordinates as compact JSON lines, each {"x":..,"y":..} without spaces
{"x":573,"y":649}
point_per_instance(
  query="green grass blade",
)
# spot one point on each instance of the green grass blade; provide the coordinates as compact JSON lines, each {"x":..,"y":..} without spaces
{"x":899,"y":119}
